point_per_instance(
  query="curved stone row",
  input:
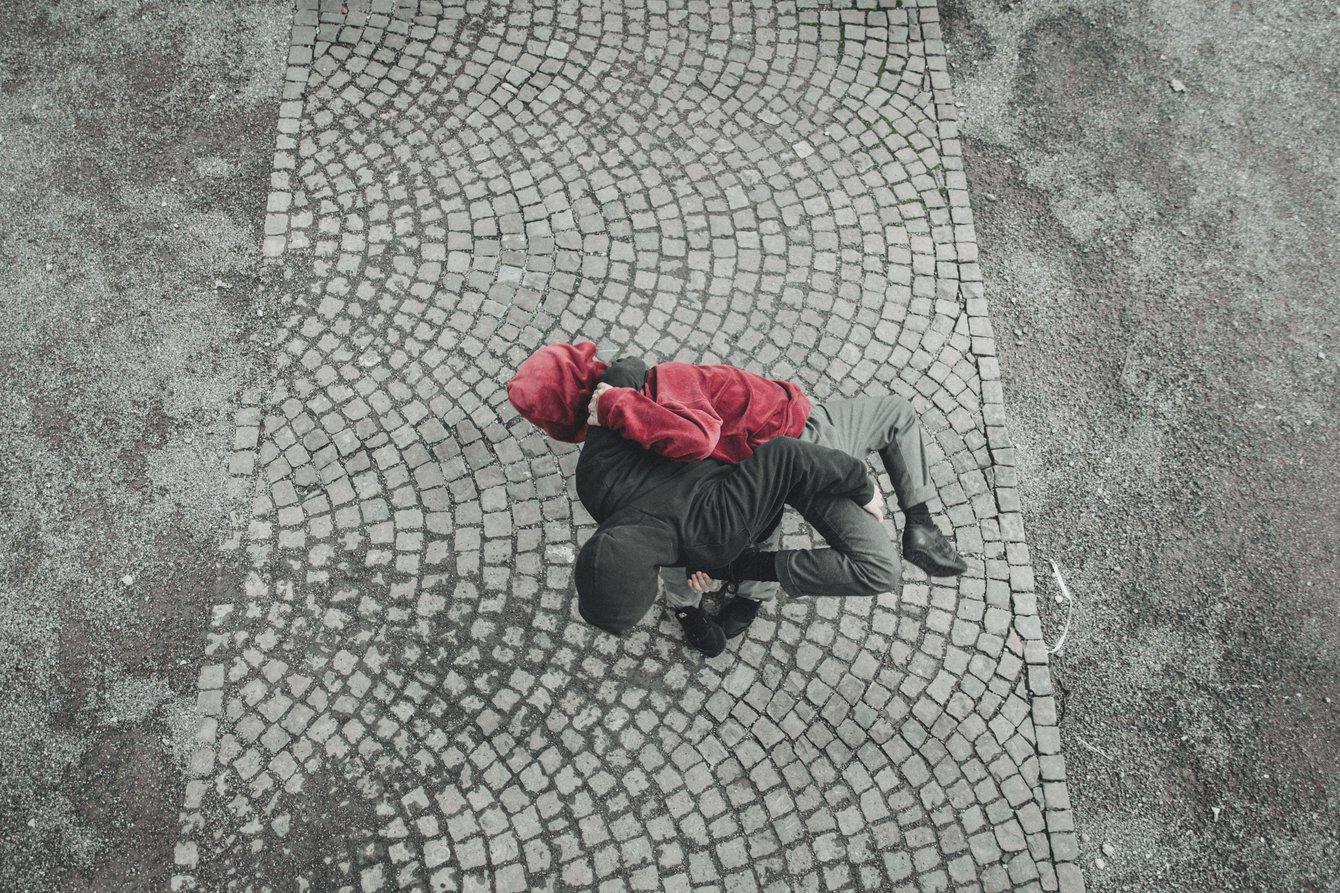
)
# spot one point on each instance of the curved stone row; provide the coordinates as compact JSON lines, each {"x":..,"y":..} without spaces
{"x":760,"y":185}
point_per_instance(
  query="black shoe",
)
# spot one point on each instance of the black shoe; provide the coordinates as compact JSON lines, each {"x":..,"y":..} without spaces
{"x":928,"y":549}
{"x":701,"y":631}
{"x":737,"y":615}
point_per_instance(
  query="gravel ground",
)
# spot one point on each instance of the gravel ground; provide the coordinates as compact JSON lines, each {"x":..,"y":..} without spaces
{"x":135,"y":143}
{"x":1156,"y":202}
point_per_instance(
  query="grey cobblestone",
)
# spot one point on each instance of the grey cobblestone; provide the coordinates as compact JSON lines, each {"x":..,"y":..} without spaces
{"x":456,"y":184}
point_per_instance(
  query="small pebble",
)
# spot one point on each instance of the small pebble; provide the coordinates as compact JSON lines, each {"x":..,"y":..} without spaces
{"x":1177,"y":86}
{"x":1100,"y":863}
{"x":128,"y":580}
{"x":1109,"y":850}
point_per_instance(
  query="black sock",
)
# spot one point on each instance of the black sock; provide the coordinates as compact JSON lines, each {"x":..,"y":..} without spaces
{"x":761,"y":566}
{"x":918,"y":515}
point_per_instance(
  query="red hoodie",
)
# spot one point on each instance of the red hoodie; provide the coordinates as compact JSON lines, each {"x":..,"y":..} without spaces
{"x":553,"y":387}
{"x":682,"y":412}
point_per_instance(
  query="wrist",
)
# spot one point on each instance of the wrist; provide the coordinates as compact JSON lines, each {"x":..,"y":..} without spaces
{"x":599,"y":416}
{"x":607,"y":399}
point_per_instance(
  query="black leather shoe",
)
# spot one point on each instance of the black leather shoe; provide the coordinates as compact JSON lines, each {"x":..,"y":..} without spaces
{"x":736,"y":616}
{"x":701,"y":631}
{"x":928,"y":549}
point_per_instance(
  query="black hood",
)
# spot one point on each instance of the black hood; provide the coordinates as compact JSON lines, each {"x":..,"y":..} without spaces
{"x":616,"y":573}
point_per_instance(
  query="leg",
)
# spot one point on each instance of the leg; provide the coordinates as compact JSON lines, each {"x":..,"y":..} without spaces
{"x":679,"y":595}
{"x":700,"y":630}
{"x":887,"y":425}
{"x":762,"y":591}
{"x":677,"y":592}
{"x":861,"y":559}
{"x":740,"y":611}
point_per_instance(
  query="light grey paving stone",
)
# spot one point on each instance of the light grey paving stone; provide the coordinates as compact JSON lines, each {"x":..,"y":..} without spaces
{"x":403,"y":693}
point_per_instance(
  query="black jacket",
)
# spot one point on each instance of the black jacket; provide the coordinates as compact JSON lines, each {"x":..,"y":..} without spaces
{"x":657,"y":512}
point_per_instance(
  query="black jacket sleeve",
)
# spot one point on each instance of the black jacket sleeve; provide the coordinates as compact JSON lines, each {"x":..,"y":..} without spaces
{"x":626,"y":372}
{"x":610,"y":466}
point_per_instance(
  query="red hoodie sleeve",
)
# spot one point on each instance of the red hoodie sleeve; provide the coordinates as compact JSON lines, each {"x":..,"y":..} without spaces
{"x":683,"y":429}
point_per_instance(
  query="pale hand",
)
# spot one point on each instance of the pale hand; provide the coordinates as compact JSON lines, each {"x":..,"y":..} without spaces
{"x":875,"y":507}
{"x":700,"y":582}
{"x":591,"y":414}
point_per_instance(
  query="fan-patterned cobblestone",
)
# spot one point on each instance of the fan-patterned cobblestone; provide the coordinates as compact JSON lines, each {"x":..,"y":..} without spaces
{"x":402,"y":696}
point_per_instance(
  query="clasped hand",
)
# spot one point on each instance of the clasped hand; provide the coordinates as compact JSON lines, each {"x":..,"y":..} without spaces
{"x":591,"y":415}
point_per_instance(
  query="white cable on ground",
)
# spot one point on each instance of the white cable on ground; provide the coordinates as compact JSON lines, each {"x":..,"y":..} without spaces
{"x":1070,"y":607}
{"x":1094,"y":749}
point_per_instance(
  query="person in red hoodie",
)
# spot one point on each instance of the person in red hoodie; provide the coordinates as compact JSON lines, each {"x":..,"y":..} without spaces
{"x":716,"y":412}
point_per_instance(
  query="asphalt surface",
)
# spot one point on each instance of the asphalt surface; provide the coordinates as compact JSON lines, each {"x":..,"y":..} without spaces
{"x":135,"y":145}
{"x":1156,"y":195}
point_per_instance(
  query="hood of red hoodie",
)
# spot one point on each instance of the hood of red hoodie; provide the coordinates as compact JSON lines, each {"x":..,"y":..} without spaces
{"x":552,"y":387}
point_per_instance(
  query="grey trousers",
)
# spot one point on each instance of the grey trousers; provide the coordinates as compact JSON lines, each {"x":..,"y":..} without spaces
{"x":860,"y":558}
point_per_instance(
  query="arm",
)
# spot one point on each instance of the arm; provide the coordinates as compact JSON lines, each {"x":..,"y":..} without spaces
{"x":679,"y":430}
{"x":626,"y":372}
{"x":607,"y":460}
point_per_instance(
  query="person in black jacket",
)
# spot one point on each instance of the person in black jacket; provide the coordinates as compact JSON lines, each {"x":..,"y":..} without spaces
{"x":657,"y":512}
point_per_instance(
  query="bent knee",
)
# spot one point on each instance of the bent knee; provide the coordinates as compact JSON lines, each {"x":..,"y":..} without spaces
{"x":881,"y":572}
{"x":900,"y":409}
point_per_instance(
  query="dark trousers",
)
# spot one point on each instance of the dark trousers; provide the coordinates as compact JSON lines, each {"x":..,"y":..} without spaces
{"x":860,"y":559}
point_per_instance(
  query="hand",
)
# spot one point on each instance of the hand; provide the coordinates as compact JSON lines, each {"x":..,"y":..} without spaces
{"x":591,"y":414}
{"x":700,"y":582}
{"x":875,"y":507}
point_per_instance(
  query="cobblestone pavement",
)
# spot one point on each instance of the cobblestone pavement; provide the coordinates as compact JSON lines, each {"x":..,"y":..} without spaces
{"x":403,"y":696}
